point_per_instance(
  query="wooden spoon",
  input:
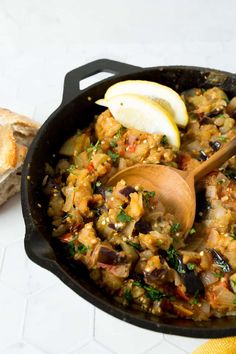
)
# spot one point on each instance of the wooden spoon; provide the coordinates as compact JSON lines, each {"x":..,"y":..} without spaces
{"x":174,"y":188}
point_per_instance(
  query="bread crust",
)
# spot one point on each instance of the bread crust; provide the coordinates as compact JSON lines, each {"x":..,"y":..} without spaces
{"x":15,"y":120}
{"x":8,"y":154}
{"x":16,"y":134}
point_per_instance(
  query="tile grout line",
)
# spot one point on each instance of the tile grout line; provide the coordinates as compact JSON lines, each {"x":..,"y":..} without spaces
{"x":155,"y":345}
{"x":36,"y":346}
{"x":174,"y":345}
{"x":3,"y":258}
{"x":104,"y":346}
{"x":79,"y":347}
{"x":24,"y":318}
{"x":94,"y":321}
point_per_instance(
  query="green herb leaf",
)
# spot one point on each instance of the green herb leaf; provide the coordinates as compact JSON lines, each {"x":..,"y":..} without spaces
{"x":128,"y":296}
{"x":123,"y":217}
{"x":195,"y":301}
{"x":153,"y":294}
{"x":117,"y":136}
{"x":137,"y":283}
{"x":191,"y":266}
{"x":164,"y":140}
{"x":192,"y":231}
{"x":71,"y":168}
{"x":147,"y":196}
{"x":221,"y":181}
{"x":234,"y":301}
{"x":93,"y":148}
{"x":82,"y":248}
{"x":175,"y":260}
{"x":109,"y":189}
{"x":113,"y":143}
{"x":218,"y":275}
{"x":135,"y":245}
{"x":120,"y":131}
{"x":113,"y":155}
{"x":175,"y":228}
{"x":222,"y":138}
{"x":71,"y":249}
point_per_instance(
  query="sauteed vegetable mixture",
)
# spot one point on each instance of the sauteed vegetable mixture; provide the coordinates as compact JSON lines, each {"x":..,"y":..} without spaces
{"x":131,"y":247}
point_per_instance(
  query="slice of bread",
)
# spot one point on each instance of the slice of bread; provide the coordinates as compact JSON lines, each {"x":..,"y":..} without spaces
{"x":16,"y":134}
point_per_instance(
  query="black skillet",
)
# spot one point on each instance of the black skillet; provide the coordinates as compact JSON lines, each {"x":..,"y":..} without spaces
{"x":77,"y":111}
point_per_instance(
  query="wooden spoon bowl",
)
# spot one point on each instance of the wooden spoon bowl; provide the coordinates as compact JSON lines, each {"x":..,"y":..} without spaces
{"x":174,"y":188}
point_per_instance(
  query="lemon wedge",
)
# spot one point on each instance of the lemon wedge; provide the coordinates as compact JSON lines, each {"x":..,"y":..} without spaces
{"x":142,"y":113}
{"x":164,"y":95}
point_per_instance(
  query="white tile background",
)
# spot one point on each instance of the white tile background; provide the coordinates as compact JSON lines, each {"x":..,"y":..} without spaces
{"x":40,"y":40}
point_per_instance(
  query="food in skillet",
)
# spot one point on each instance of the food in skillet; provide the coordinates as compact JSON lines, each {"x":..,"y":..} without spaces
{"x":131,"y":247}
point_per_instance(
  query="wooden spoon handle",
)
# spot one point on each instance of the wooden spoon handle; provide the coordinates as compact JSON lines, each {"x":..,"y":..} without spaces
{"x":215,"y":161}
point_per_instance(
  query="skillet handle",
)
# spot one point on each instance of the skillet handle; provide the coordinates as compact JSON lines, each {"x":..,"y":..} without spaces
{"x":37,"y":248}
{"x":73,"y":78}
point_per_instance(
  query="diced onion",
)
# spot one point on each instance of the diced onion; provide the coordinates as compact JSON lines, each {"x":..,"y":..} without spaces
{"x":208,"y":278}
{"x":211,"y":192}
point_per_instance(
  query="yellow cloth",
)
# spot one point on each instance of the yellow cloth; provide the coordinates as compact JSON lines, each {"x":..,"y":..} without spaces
{"x":218,"y":346}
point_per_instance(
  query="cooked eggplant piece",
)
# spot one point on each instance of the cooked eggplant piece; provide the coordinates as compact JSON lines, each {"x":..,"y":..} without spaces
{"x":230,"y":173}
{"x":215,"y":112}
{"x":191,"y":280}
{"x":127,"y":191}
{"x":215,"y":145}
{"x":220,"y":261}
{"x":112,"y":226}
{"x":142,"y":226}
{"x":206,"y":120}
{"x":202,"y":156}
{"x":99,"y":189}
{"x":107,"y":255}
{"x":155,"y":275}
{"x":193,"y":283}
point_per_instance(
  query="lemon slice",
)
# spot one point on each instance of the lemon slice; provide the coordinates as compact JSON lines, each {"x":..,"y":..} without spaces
{"x":142,"y":113}
{"x":164,"y":95}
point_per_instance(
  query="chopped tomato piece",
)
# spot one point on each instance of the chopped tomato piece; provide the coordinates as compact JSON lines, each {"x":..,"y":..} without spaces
{"x":90,"y":167}
{"x":67,"y":237}
{"x":131,"y":148}
{"x":181,"y":293}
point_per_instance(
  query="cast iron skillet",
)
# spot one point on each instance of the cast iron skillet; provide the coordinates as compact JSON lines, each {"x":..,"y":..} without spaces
{"x":77,"y":111}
